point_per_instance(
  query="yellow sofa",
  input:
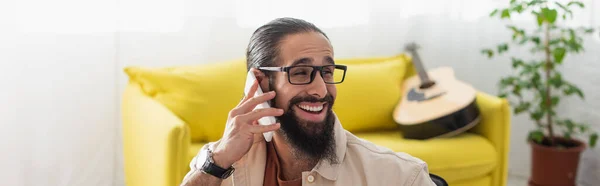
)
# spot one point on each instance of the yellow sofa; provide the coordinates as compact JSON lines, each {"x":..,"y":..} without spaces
{"x":169,"y":113}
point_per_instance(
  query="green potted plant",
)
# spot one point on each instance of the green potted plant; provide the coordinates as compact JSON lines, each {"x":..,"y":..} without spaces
{"x":536,"y":87}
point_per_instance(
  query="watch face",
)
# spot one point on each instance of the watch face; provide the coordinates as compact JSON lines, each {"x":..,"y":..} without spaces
{"x":201,"y":159}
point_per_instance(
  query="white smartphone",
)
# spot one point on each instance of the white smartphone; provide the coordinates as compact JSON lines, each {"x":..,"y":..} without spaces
{"x":264,"y":120}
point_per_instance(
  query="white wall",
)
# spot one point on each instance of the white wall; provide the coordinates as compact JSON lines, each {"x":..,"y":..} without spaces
{"x":58,"y":97}
{"x":61,"y":113}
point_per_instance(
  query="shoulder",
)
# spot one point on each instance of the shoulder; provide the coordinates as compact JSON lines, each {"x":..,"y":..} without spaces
{"x":404,"y":167}
{"x":360,"y":147}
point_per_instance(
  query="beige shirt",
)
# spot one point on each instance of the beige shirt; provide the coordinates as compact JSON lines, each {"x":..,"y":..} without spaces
{"x":361,"y":163}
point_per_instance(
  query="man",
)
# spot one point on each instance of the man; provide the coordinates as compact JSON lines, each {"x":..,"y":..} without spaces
{"x":294,"y":65}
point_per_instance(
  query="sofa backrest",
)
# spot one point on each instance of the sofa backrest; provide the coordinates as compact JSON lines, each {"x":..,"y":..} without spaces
{"x":202,"y":95}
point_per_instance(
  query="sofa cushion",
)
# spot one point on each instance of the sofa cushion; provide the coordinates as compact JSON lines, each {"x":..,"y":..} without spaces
{"x":458,"y":158}
{"x":371,"y":90}
{"x":202,"y":95}
{"x":480,"y":181}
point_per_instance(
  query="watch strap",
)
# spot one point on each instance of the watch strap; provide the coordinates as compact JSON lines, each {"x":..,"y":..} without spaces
{"x":211,"y":168}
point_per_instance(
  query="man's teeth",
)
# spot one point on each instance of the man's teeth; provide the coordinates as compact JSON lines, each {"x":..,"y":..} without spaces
{"x":312,"y":108}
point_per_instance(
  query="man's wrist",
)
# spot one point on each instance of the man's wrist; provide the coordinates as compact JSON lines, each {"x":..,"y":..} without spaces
{"x":221,"y":160}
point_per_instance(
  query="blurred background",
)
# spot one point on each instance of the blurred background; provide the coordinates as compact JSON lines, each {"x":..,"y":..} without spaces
{"x":61,"y":65}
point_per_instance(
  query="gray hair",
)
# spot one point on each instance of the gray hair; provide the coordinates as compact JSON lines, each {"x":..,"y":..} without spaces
{"x":263,"y":48}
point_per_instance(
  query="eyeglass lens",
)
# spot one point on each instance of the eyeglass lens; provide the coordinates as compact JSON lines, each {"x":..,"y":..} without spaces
{"x":302,"y":74}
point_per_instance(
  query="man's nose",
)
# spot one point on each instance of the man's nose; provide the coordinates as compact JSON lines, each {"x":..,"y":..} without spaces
{"x":318,"y":87}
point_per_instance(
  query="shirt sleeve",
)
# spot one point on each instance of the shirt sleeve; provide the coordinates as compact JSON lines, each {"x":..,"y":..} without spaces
{"x":193,"y":163}
{"x":194,"y":167}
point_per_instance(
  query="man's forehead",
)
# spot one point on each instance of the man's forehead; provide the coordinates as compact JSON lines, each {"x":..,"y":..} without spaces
{"x":326,"y":60}
{"x":306,"y":48}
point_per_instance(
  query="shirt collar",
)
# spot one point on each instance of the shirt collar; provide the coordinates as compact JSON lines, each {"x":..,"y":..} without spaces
{"x":324,"y":168}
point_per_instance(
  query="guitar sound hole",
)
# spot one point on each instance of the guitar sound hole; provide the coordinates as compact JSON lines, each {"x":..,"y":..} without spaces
{"x":425,"y":85}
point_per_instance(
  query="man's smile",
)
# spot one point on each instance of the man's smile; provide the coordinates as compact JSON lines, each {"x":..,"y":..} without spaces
{"x":311,"y":111}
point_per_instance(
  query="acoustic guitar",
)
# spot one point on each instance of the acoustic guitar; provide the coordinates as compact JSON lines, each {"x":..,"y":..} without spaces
{"x":435,"y":104}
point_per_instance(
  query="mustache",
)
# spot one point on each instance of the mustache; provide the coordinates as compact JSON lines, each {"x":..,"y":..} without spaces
{"x":297,"y":99}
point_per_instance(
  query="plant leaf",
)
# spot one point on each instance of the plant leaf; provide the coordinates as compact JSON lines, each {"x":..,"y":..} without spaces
{"x":573,"y":44}
{"x":589,"y":30}
{"x":556,"y":80}
{"x":593,"y":139}
{"x":580,"y":4}
{"x":488,"y":52}
{"x":508,"y":81}
{"x":570,"y":125}
{"x":555,"y":100}
{"x":516,"y":62}
{"x":559,"y":54}
{"x":516,"y":31}
{"x":494,"y":13}
{"x":540,"y":17}
{"x":564,"y":8}
{"x":505,"y":14}
{"x":572,"y":89}
{"x":524,"y":40}
{"x":549,"y":15}
{"x":536,"y":136}
{"x":523,"y":106}
{"x":567,"y":135}
{"x":502,"y":48}
{"x":537,"y":114}
{"x":536,"y":40}
{"x":518,"y":8}
{"x":555,"y":41}
{"x":534,"y":2}
{"x":583,"y":128}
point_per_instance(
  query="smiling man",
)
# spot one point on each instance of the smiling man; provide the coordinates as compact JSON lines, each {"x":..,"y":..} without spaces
{"x":293,"y":62}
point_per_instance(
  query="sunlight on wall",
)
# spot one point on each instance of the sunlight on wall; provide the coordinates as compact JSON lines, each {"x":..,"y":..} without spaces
{"x":323,"y":13}
{"x":473,"y":10}
{"x":85,"y":16}
{"x":461,"y":10}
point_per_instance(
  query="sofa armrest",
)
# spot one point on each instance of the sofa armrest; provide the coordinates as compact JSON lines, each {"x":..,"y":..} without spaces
{"x":495,"y":126}
{"x":155,"y":141}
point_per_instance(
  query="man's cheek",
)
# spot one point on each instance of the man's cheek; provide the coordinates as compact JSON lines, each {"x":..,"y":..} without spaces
{"x":282,"y":104}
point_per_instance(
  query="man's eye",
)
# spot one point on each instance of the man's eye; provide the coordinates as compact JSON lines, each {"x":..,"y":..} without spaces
{"x":300,"y":73}
{"x":327,"y":72}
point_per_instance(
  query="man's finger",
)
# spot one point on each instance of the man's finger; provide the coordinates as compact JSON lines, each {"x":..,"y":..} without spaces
{"x":249,"y":105}
{"x":250,"y":94}
{"x":259,"y":113}
{"x":258,"y":129}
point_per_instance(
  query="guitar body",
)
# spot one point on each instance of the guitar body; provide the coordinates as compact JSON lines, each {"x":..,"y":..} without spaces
{"x":444,"y":109}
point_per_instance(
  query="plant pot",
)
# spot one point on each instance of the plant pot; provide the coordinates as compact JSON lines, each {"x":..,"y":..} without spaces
{"x":554,"y":166}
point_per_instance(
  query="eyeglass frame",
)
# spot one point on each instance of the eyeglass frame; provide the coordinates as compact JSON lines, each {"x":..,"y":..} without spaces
{"x":313,"y":74}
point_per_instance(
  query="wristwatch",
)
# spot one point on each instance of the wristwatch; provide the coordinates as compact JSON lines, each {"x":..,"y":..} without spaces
{"x":209,"y":167}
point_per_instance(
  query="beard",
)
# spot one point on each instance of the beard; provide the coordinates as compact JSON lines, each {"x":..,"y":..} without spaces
{"x":310,"y":140}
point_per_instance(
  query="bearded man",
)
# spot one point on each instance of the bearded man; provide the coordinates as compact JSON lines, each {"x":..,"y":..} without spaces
{"x":293,"y":62}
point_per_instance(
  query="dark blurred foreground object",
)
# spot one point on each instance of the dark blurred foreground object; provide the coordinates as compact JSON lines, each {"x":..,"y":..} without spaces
{"x":439,"y":181}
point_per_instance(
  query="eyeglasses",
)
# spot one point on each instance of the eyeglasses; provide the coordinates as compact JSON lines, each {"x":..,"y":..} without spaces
{"x":305,"y":74}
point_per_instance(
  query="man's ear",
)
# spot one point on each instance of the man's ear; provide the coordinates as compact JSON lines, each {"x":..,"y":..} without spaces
{"x":262,"y":78}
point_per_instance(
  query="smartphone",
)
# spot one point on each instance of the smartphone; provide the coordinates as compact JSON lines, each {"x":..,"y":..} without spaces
{"x":250,"y":78}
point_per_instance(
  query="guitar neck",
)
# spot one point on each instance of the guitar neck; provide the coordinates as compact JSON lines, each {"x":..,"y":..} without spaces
{"x":420,"y":68}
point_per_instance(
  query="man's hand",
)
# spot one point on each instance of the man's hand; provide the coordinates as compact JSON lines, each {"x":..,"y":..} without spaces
{"x":242,"y":125}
